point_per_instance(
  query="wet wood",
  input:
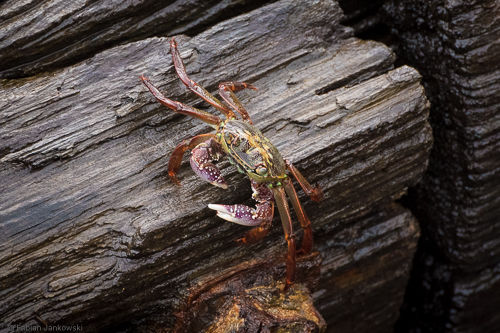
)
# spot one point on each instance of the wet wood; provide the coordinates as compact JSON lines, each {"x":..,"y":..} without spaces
{"x":93,"y":231}
{"x":343,"y":278}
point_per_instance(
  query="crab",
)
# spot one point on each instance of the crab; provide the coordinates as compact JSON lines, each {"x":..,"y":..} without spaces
{"x":252,"y":153}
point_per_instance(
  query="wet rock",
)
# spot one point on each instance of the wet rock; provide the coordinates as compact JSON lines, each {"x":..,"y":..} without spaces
{"x":365,"y":269}
{"x":45,"y":36}
{"x":454,"y":44}
{"x":93,"y":231}
{"x":250,"y":298}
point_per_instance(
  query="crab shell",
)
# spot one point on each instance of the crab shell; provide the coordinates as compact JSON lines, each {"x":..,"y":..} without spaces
{"x":253,"y":153}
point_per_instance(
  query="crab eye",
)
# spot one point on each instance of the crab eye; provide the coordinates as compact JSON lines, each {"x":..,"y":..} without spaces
{"x":261,"y":170}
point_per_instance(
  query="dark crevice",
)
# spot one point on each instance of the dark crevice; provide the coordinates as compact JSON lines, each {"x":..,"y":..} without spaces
{"x":427,"y":299}
{"x":244,"y":7}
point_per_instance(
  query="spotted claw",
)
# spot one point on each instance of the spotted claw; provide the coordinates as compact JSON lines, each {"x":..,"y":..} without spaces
{"x":240,"y":214}
{"x":209,"y":172}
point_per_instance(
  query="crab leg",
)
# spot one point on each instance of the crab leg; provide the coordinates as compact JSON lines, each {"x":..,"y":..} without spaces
{"x":226,"y":91}
{"x":201,"y":162}
{"x":257,"y":233}
{"x":176,"y":158}
{"x":180,"y":107}
{"x":193,"y":86}
{"x":315,"y":193}
{"x":305,"y":223}
{"x":286,"y":220}
{"x":245,"y":215}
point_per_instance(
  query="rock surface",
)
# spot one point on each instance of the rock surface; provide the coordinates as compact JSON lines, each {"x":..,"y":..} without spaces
{"x":40,"y":36}
{"x":92,"y":230}
{"x":454,"y":44}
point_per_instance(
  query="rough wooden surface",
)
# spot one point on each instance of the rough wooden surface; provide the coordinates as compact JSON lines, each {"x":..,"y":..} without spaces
{"x":92,"y":230}
{"x":457,"y":281}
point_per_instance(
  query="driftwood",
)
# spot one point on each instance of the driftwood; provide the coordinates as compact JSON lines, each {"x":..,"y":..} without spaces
{"x":93,"y":232}
{"x":456,"y":286}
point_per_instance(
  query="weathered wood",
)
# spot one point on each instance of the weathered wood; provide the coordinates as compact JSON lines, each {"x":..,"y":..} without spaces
{"x":40,"y":36}
{"x":93,"y":231}
{"x":455,"y":46}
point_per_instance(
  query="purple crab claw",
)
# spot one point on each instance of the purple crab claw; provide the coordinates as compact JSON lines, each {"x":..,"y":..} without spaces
{"x":242,"y":214}
{"x":210,"y":173}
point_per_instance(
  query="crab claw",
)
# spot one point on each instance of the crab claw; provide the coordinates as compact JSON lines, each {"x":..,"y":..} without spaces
{"x":210,"y":173}
{"x":239,"y":214}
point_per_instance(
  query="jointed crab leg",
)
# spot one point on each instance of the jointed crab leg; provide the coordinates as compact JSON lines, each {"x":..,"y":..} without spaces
{"x":226,"y":91}
{"x":286,"y":220}
{"x":315,"y":193}
{"x":305,"y":223}
{"x":176,"y":158}
{"x":193,"y":86}
{"x":180,"y":107}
